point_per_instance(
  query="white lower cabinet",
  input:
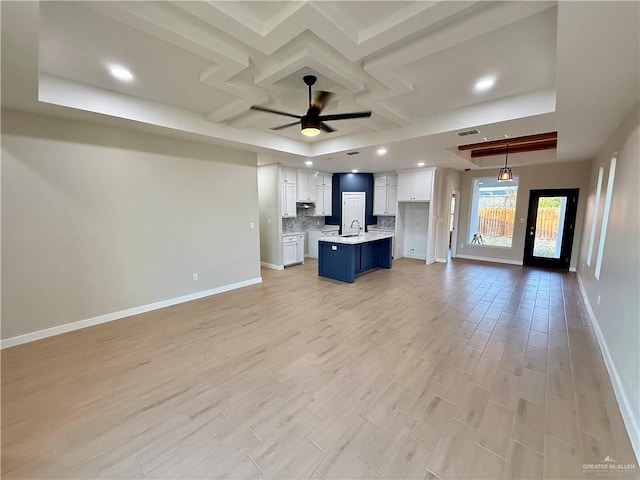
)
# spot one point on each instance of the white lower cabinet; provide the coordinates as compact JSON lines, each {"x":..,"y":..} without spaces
{"x":289,"y":250}
{"x":292,"y":249}
{"x":300,"y":249}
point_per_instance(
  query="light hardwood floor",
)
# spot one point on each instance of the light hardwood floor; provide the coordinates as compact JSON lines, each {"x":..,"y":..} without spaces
{"x":465,"y":370}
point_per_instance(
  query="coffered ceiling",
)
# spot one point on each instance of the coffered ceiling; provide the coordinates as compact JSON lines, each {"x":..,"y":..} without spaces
{"x":199,"y":66}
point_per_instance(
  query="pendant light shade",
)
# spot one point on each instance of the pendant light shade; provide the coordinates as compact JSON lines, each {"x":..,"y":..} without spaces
{"x":505,"y":174}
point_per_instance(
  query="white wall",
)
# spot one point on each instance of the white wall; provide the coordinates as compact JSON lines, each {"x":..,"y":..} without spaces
{"x":97,"y":220}
{"x":560,"y":175}
{"x":415,"y":226}
{"x":270,"y":217}
{"x":448,"y":180}
{"x":618,"y":311}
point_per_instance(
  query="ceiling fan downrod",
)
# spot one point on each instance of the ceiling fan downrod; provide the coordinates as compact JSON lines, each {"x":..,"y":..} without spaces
{"x":309,"y":80}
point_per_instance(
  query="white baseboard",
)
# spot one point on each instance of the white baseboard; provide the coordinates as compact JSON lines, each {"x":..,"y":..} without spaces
{"x":573,"y":269}
{"x":416,"y":257}
{"x":441,"y":260}
{"x":272,"y":266}
{"x":489,"y":259}
{"x":110,"y":317}
{"x":628,"y":414}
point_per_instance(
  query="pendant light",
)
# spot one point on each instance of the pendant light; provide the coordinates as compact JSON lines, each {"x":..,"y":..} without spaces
{"x":505,"y":174}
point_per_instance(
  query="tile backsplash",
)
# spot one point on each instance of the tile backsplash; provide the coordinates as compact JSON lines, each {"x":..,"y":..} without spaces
{"x":387,"y":222}
{"x":302,"y":223}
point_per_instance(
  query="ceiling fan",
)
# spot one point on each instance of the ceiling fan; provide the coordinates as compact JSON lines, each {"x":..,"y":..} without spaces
{"x":313,"y":122}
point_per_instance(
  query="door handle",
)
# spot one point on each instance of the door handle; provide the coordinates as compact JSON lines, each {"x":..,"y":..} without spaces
{"x":532,"y":230}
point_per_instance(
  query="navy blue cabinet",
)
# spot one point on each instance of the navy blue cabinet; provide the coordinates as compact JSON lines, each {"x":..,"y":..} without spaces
{"x":368,"y":256}
{"x":343,"y":262}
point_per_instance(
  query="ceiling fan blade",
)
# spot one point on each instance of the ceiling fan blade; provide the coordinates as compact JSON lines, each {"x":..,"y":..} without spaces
{"x":277,"y":112}
{"x":326,"y":127}
{"x":320,"y":101}
{"x":286,"y":126}
{"x":344,"y":116}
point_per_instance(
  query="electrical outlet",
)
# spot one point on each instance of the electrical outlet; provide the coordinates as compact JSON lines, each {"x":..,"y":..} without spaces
{"x":195,"y":276}
{"x":253,"y":225}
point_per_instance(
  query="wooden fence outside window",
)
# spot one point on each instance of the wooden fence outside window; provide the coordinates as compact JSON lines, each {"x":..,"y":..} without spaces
{"x":499,"y":221}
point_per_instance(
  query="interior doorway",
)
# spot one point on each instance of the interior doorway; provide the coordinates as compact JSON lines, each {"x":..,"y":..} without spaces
{"x":550,"y":227}
{"x":454,"y":209}
{"x":353,"y":206}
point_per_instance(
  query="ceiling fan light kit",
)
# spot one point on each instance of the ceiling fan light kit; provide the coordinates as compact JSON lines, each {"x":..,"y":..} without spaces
{"x":310,"y":126}
{"x":313,"y":122}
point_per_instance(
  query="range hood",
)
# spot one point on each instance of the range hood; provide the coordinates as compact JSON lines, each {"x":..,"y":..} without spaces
{"x":305,"y":205}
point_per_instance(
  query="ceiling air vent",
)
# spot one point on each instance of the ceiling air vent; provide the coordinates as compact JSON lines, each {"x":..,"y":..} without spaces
{"x":355,"y":152}
{"x":468,"y":132}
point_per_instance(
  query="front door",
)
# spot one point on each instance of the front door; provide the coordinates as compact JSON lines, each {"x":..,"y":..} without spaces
{"x":550,"y":228}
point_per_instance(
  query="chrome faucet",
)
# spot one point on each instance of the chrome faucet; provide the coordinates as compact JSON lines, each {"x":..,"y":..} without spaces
{"x":355,"y":220}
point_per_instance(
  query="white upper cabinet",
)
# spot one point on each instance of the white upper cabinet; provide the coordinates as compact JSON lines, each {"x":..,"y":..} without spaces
{"x":324,"y":193}
{"x":288,"y":191}
{"x":385,"y":195}
{"x":306,"y":185}
{"x":288,"y":175}
{"x":415,"y":186}
{"x":392,"y":199}
{"x":323,"y":200}
{"x":323,"y":179}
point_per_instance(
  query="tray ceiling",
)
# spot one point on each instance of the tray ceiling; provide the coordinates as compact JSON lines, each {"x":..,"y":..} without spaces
{"x":199,"y":66}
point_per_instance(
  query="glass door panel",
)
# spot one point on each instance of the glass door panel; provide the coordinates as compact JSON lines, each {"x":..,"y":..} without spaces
{"x":549,"y":227}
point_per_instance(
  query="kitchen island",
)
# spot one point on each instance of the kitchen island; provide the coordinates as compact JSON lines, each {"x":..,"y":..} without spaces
{"x":343,"y":257}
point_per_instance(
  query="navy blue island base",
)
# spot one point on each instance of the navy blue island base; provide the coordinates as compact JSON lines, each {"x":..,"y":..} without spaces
{"x":343,"y":261}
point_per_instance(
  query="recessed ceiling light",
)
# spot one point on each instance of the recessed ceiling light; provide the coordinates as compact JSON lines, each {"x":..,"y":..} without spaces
{"x":308,"y":163}
{"x":382,"y":151}
{"x":355,"y":170}
{"x":484,"y":84}
{"x":121,"y":73}
{"x":421,"y":164}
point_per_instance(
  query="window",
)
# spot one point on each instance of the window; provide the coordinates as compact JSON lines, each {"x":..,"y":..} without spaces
{"x":605,"y":216}
{"x":493,"y":209}
{"x":594,"y":221}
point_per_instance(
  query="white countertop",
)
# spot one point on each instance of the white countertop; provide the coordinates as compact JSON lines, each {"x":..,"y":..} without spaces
{"x":379,"y":228}
{"x":364,"y":238}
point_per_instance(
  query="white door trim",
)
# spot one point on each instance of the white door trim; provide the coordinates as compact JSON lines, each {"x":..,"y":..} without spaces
{"x":456,"y":215}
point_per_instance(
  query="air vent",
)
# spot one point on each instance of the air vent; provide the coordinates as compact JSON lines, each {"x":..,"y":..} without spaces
{"x":468,"y":132}
{"x":353,"y":153}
